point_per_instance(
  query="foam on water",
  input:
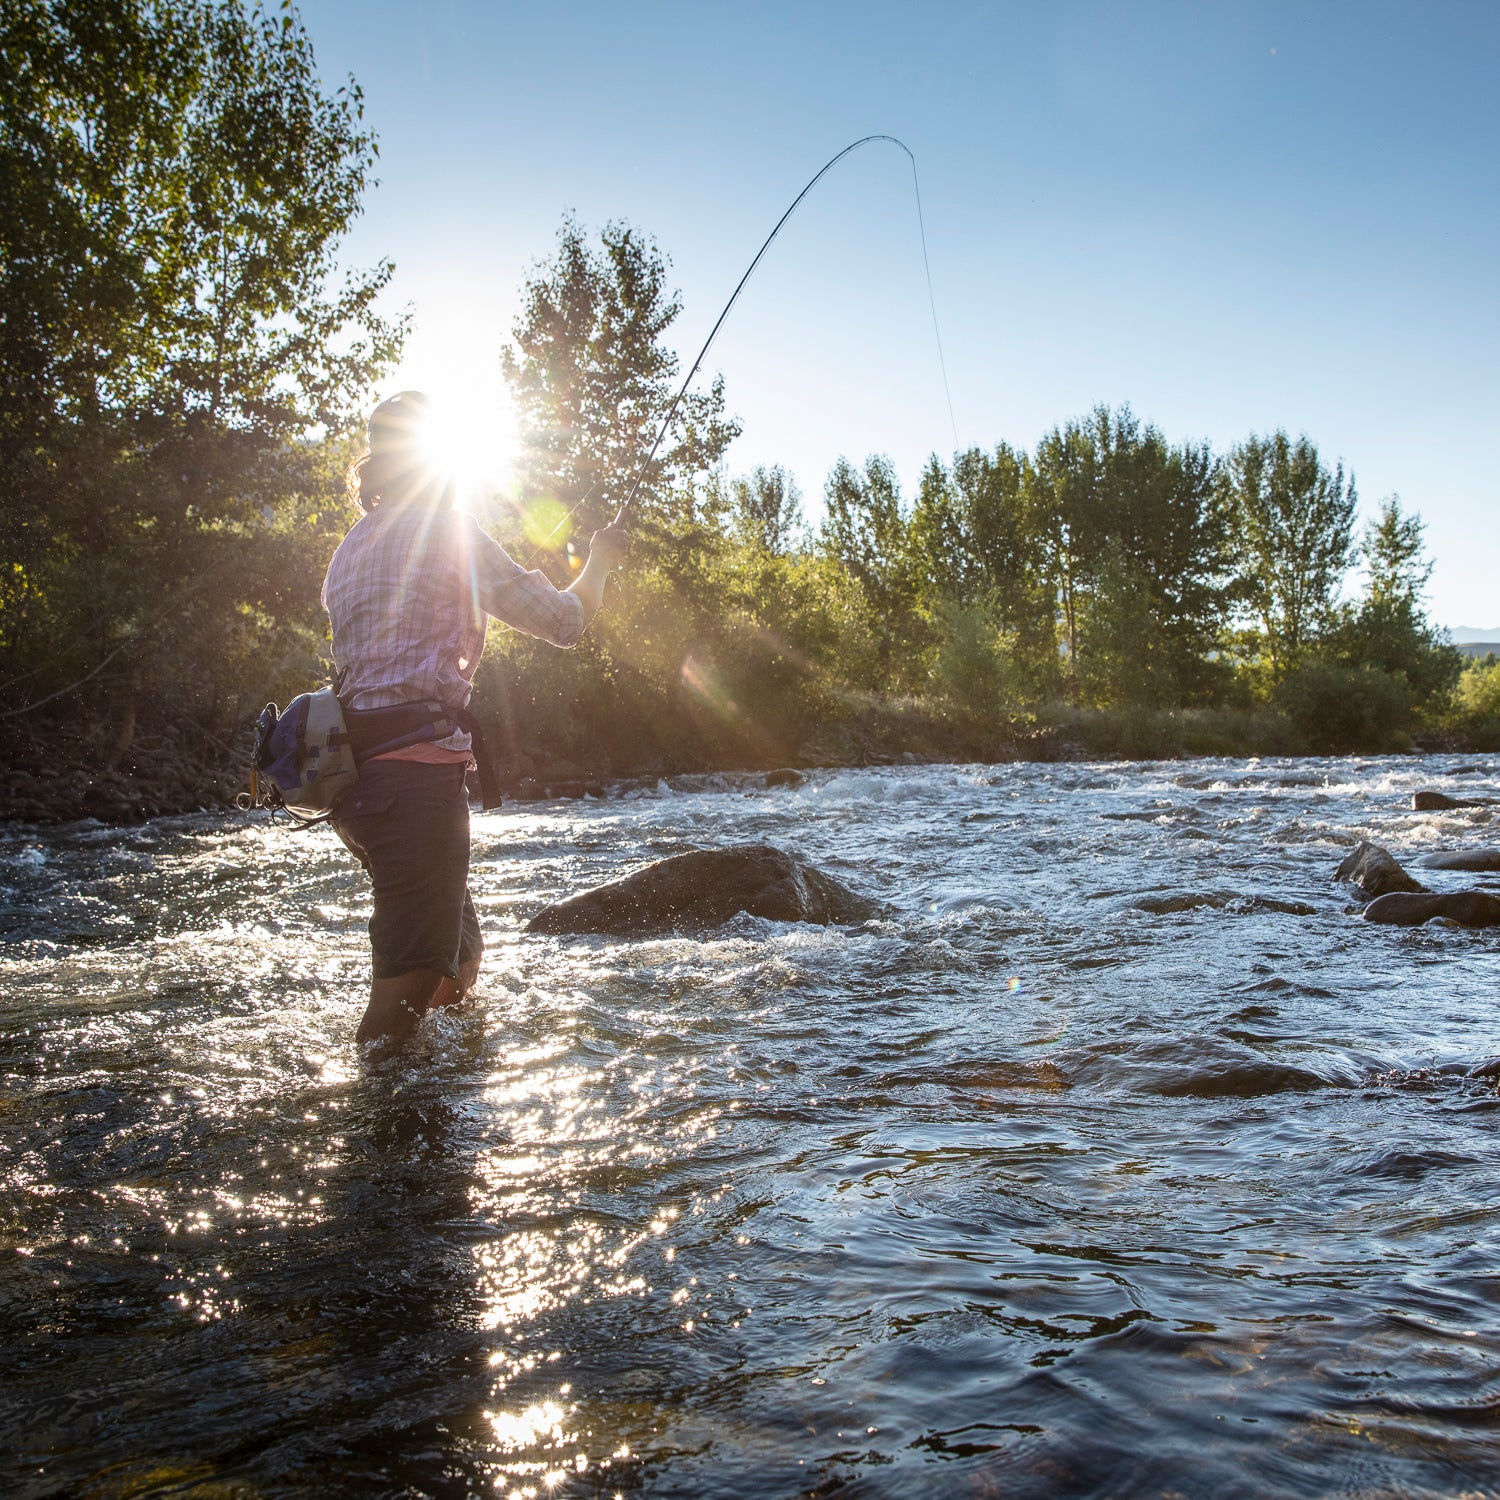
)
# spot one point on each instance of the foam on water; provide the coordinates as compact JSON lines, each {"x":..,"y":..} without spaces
{"x":1119,"y":1157}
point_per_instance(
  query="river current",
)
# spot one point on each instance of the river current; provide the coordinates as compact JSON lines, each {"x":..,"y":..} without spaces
{"x":1119,"y":1158}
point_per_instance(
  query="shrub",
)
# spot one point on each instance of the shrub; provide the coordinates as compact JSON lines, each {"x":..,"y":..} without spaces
{"x":1335,"y":710}
{"x":1479,"y":690}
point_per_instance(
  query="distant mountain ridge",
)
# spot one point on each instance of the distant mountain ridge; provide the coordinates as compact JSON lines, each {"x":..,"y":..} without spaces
{"x":1463,"y":635}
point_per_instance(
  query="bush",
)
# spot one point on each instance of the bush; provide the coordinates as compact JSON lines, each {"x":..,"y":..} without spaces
{"x":1479,"y":690}
{"x":1337,"y":710}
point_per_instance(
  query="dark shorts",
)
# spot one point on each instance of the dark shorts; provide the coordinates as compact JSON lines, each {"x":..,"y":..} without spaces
{"x":408,"y":824}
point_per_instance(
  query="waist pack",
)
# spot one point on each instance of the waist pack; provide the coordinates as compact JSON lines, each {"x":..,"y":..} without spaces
{"x":308,"y":754}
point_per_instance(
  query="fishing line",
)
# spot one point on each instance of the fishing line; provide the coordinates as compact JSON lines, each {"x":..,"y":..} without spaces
{"x":666,"y":424}
{"x":750,"y":271}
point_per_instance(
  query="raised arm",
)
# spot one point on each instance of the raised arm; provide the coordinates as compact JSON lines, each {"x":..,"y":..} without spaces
{"x":607,"y":551}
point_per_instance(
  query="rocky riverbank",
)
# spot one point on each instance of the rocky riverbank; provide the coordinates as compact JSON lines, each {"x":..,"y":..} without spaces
{"x":62,"y":776}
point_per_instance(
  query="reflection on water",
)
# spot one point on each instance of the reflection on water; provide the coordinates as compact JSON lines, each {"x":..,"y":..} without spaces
{"x":1121,"y":1159}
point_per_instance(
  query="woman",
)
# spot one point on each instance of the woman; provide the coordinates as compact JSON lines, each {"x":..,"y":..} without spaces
{"x":410,"y":591}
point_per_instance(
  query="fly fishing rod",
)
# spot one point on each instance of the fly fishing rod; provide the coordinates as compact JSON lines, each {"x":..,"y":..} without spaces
{"x":641,"y":472}
{"x":833,"y":161}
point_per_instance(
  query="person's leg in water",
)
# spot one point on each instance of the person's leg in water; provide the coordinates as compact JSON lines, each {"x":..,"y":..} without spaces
{"x":409,"y":826}
{"x":451,"y":992}
{"x":397,"y":1005}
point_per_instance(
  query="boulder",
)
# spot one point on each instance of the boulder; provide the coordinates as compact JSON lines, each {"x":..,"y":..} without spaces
{"x":703,"y":889}
{"x":1437,"y":801}
{"x":1467,"y":908}
{"x":784,"y":776}
{"x":1463,"y":859}
{"x":1375,"y":871}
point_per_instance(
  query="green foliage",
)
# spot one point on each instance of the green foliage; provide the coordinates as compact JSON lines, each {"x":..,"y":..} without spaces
{"x":176,"y":337}
{"x":1388,"y":630}
{"x":1337,"y":709}
{"x":592,"y":380}
{"x":765,"y":509}
{"x":1137,"y":551}
{"x":1293,"y":521}
{"x":1479,"y":688}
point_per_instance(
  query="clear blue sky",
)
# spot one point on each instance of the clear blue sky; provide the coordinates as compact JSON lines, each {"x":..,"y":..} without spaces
{"x":1235,"y":217}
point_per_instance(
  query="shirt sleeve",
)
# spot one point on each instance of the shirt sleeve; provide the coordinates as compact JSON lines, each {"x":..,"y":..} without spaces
{"x":526,"y":600}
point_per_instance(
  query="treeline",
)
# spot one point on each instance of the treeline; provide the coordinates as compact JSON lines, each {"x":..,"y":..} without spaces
{"x":186,"y":366}
{"x":1110,"y":590}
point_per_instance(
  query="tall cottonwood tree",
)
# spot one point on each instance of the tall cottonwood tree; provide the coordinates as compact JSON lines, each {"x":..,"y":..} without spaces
{"x":1388,"y":628}
{"x":1136,"y":553}
{"x":592,"y":379}
{"x":765,"y":506}
{"x":1293,"y":520}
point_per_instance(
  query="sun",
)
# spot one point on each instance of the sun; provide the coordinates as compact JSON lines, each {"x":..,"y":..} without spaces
{"x":471,"y":427}
{"x":471,"y":435}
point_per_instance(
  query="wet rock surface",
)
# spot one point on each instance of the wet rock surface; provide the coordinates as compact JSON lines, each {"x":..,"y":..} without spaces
{"x":1375,"y":871}
{"x":1404,"y":909}
{"x":1463,"y":859}
{"x":703,"y":889}
{"x":1441,"y":801}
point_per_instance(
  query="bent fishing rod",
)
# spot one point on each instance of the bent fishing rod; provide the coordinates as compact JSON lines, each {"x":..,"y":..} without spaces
{"x":827,"y":166}
{"x":623,"y":512}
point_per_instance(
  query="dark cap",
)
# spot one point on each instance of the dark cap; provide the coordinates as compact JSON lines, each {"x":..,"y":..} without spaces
{"x":396,"y":424}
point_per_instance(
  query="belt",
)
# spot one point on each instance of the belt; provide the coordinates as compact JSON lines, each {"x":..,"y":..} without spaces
{"x":377,"y":731}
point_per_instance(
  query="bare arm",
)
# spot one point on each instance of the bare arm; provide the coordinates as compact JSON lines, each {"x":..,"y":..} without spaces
{"x":607,"y":551}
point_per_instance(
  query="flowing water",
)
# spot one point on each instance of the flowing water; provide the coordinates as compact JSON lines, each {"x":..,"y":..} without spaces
{"x":1119,"y":1158}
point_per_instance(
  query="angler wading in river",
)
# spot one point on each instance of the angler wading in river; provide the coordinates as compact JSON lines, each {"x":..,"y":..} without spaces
{"x":409,"y":592}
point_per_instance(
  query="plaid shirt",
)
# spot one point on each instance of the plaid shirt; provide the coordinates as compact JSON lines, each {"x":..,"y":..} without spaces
{"x":409,"y":592}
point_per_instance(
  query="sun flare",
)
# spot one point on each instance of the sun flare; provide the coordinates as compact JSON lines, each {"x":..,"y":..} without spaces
{"x":471,"y":428}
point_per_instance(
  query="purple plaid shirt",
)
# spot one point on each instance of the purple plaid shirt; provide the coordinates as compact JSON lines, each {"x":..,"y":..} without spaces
{"x":409,"y":592}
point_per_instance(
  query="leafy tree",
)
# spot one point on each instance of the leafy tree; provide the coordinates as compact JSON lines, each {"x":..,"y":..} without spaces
{"x":865,"y":530}
{"x":1293,"y":525}
{"x":1478,"y":693}
{"x":1136,"y":555}
{"x":1388,"y":629}
{"x":1065,"y":484}
{"x":592,"y":380}
{"x":1394,"y":554}
{"x":175,"y":333}
{"x":766,"y":509}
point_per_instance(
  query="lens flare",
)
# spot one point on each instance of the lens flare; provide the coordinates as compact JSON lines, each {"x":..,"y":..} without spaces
{"x":545,"y":522}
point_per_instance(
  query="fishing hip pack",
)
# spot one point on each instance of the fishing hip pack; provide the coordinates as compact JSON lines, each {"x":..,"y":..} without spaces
{"x":303,"y":759}
{"x":308,"y":754}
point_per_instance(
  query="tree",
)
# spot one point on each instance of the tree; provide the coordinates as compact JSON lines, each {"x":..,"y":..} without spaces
{"x":1393,"y":553}
{"x":865,"y":531}
{"x":1388,"y":629}
{"x":592,"y":380}
{"x":1136,"y":556}
{"x":1293,"y":524}
{"x":176,"y":338}
{"x":766,"y":509}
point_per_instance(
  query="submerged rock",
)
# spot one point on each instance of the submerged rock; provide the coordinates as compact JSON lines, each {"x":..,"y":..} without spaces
{"x":705,"y":888}
{"x":1467,"y":908}
{"x":1375,"y":871}
{"x":1463,"y":859}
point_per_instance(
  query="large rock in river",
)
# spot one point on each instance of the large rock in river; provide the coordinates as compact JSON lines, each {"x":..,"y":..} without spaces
{"x":705,"y":888}
{"x":1439,"y":801}
{"x":1463,"y":859}
{"x":1467,"y":908}
{"x":1375,"y":871}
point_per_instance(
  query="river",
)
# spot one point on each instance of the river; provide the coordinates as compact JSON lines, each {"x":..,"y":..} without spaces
{"x":1119,"y":1158}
